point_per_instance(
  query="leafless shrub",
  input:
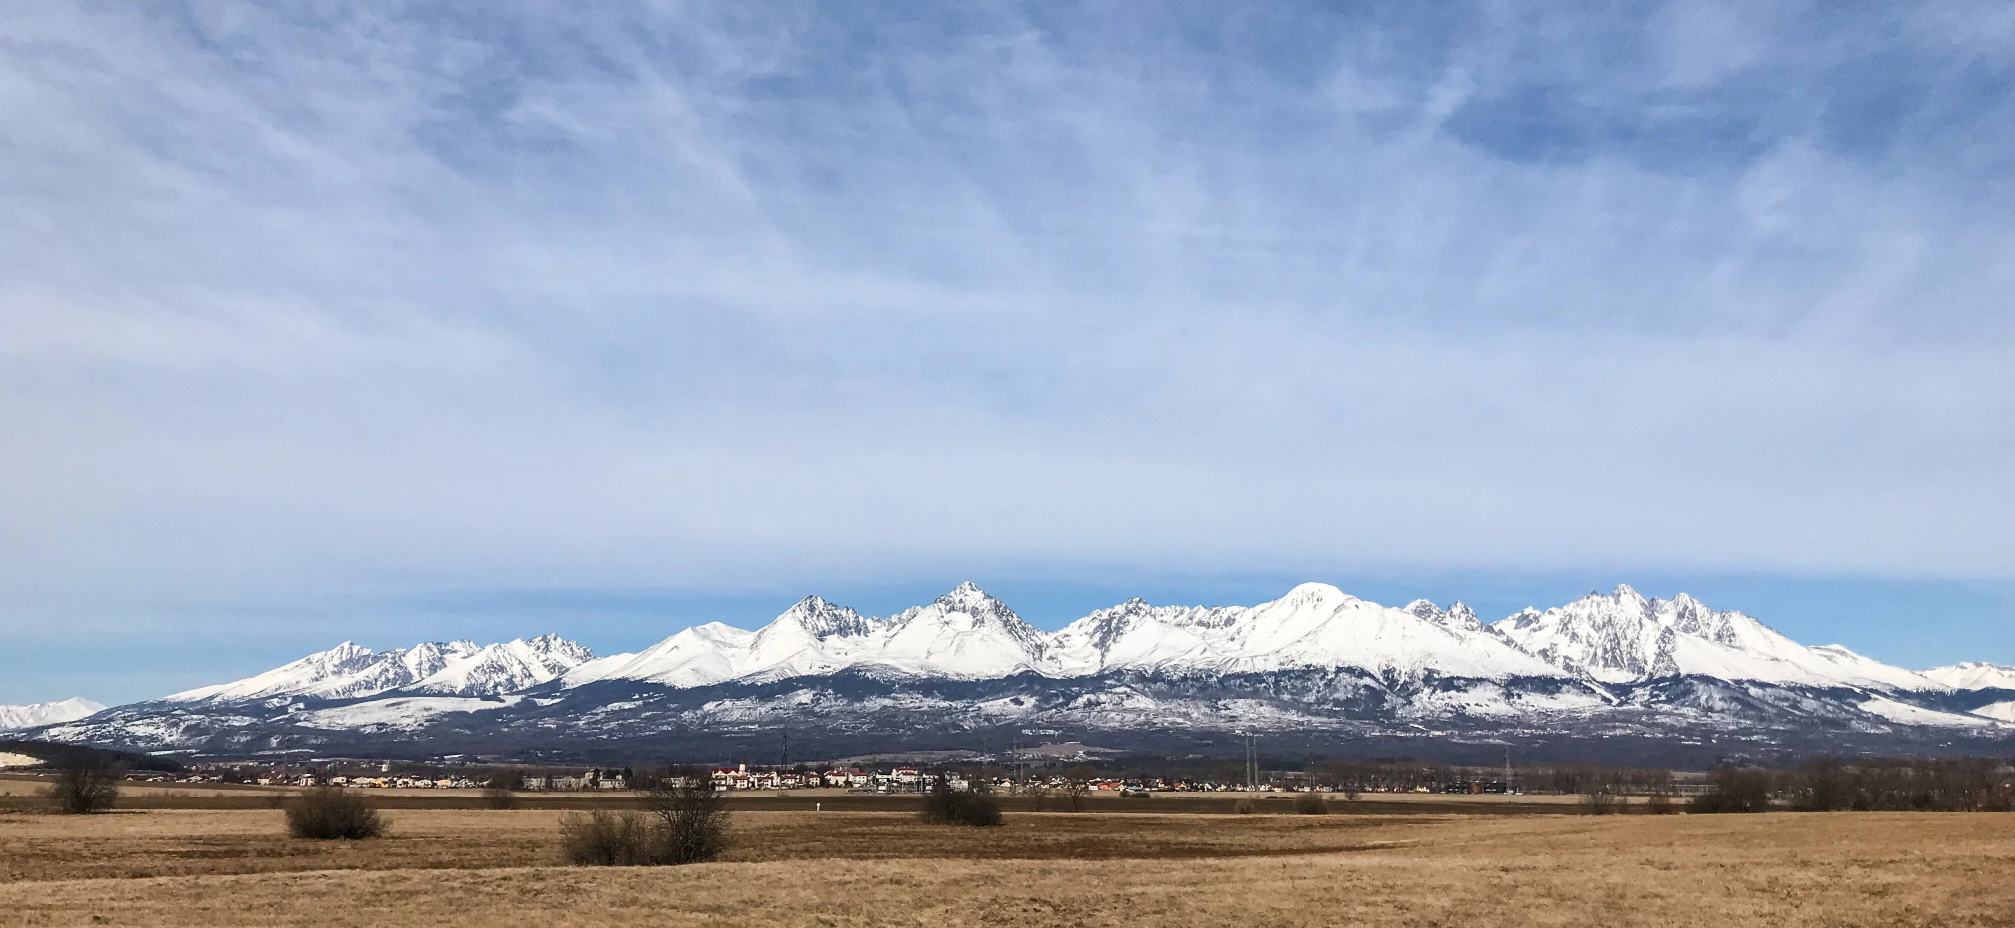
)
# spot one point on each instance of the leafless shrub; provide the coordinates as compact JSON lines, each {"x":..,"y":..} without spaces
{"x":500,"y":792}
{"x":331,"y":813}
{"x":685,"y":821}
{"x":1311,"y":804}
{"x":605,"y":838}
{"x":1598,"y":801}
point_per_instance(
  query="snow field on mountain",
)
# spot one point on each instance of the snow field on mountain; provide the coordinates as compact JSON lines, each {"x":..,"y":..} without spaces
{"x":400,"y":712}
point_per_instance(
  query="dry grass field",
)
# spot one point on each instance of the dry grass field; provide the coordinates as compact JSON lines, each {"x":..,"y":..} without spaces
{"x":488,"y":868}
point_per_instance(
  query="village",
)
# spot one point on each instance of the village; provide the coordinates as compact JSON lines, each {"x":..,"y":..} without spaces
{"x":743,"y":777}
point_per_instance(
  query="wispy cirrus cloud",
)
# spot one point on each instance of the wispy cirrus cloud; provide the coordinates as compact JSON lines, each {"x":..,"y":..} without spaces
{"x":297,"y":302}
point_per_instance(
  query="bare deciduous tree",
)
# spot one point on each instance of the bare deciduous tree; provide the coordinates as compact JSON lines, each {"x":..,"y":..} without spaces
{"x":1735,"y":789}
{"x":86,"y":781}
{"x":1074,"y":791}
{"x":944,"y":805}
{"x":693,"y":814}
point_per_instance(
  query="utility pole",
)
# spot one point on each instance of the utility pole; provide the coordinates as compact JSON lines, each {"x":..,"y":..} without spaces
{"x":1012,"y":764}
{"x":1251,"y":762}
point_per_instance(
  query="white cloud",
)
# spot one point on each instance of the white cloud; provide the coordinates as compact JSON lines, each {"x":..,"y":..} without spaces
{"x":374,"y":304}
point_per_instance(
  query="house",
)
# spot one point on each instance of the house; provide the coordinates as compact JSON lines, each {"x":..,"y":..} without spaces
{"x":731,"y":777}
{"x":847,"y":777}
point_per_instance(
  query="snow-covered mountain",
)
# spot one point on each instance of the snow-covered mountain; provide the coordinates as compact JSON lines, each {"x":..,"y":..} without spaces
{"x":1626,"y":637}
{"x":46,"y":713}
{"x":964,"y":634}
{"x":348,"y":671}
{"x":969,"y":635}
{"x":1974,"y":675}
{"x":1314,"y":626}
{"x":1617,"y":638}
{"x":1317,"y":662}
{"x":506,"y":667}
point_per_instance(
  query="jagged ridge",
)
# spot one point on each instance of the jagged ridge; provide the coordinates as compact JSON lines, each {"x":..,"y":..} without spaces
{"x":1620,"y":637}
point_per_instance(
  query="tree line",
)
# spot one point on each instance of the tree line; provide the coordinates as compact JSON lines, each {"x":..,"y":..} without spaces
{"x":1832,"y":784}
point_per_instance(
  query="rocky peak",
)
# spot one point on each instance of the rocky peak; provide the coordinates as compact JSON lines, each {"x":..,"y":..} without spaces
{"x":826,"y":620}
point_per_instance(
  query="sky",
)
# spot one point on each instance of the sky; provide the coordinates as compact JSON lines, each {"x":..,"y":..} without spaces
{"x":391,"y":322}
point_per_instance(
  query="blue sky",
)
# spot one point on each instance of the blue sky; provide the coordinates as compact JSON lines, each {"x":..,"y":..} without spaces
{"x":387,"y":324}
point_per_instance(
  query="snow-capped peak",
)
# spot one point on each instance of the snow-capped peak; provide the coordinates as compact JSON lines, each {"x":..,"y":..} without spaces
{"x":965,"y":591}
{"x":1314,"y":625}
{"x":964,"y":633}
{"x":1318,"y":625}
{"x":1625,"y":637}
{"x":47,"y":713}
{"x":504,"y":668}
{"x":1314,"y":594}
{"x":968,"y":599}
{"x":824,"y":620}
{"x":349,"y":670}
{"x":1974,"y":675}
{"x":1458,"y":615}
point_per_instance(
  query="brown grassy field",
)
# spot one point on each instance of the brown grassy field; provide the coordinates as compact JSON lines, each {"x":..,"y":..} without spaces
{"x":487,"y":868}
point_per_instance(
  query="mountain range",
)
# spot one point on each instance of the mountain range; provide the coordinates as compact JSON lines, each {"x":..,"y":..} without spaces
{"x":47,"y":713}
{"x":1613,"y":674}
